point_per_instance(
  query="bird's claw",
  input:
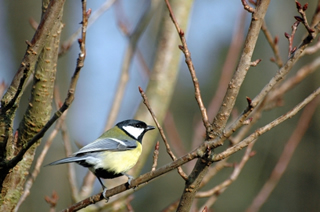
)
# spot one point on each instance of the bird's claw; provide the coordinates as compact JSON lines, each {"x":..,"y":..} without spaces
{"x":104,"y":194}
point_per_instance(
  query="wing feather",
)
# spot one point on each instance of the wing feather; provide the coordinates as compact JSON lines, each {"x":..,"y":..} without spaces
{"x":109,"y":144}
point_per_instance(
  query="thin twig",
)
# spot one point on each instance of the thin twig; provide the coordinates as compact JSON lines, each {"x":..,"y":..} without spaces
{"x":173,"y":157}
{"x":285,"y":157}
{"x":290,"y":38}
{"x":226,"y":74}
{"x":155,"y":156}
{"x":273,"y":42}
{"x":187,"y":54}
{"x":301,"y":9}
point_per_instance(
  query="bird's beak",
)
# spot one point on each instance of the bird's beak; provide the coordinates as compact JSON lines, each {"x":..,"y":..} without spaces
{"x":149,"y":127}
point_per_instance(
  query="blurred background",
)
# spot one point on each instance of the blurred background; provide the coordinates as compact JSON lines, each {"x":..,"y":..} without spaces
{"x":210,"y":29}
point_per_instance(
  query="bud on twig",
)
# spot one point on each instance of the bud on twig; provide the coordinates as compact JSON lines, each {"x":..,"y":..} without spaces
{"x":305,"y":7}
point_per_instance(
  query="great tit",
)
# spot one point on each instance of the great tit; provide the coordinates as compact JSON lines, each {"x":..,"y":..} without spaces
{"x":115,"y":152}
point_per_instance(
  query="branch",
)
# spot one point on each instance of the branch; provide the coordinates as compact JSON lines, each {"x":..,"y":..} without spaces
{"x":155,"y":157}
{"x":173,"y":157}
{"x":304,"y":19}
{"x":280,"y":75}
{"x":273,"y":42}
{"x":187,"y":54}
{"x":229,"y":65}
{"x":290,"y":38}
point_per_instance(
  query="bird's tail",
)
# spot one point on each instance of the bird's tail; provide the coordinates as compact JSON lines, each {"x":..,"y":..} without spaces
{"x":66,"y":160}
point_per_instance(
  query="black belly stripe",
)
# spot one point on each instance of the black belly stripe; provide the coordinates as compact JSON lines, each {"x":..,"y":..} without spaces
{"x":106,"y":174}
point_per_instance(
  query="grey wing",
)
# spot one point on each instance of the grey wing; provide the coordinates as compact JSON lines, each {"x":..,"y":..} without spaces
{"x":110,"y":144}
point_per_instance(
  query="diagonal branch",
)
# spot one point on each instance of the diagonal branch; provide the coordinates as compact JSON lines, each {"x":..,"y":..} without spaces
{"x":173,"y":157}
{"x":187,"y":54}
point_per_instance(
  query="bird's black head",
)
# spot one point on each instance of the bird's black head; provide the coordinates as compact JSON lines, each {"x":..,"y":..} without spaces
{"x":135,"y":128}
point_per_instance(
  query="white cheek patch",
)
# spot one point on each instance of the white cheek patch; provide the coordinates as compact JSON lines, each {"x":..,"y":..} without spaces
{"x":135,"y":132}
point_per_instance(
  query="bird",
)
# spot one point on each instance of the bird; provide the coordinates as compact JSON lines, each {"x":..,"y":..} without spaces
{"x":115,"y":152}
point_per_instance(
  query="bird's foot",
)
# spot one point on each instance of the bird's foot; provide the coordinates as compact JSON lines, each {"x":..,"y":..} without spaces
{"x":104,"y":194}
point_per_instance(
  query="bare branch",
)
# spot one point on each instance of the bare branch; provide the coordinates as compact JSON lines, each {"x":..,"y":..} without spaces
{"x":273,"y":44}
{"x":187,"y":54}
{"x":291,"y":37}
{"x":155,"y":156}
{"x":226,"y":74}
{"x":173,"y":157}
{"x":304,"y":19}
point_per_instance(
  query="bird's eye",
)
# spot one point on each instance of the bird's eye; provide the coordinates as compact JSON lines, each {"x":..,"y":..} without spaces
{"x":138,"y":125}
